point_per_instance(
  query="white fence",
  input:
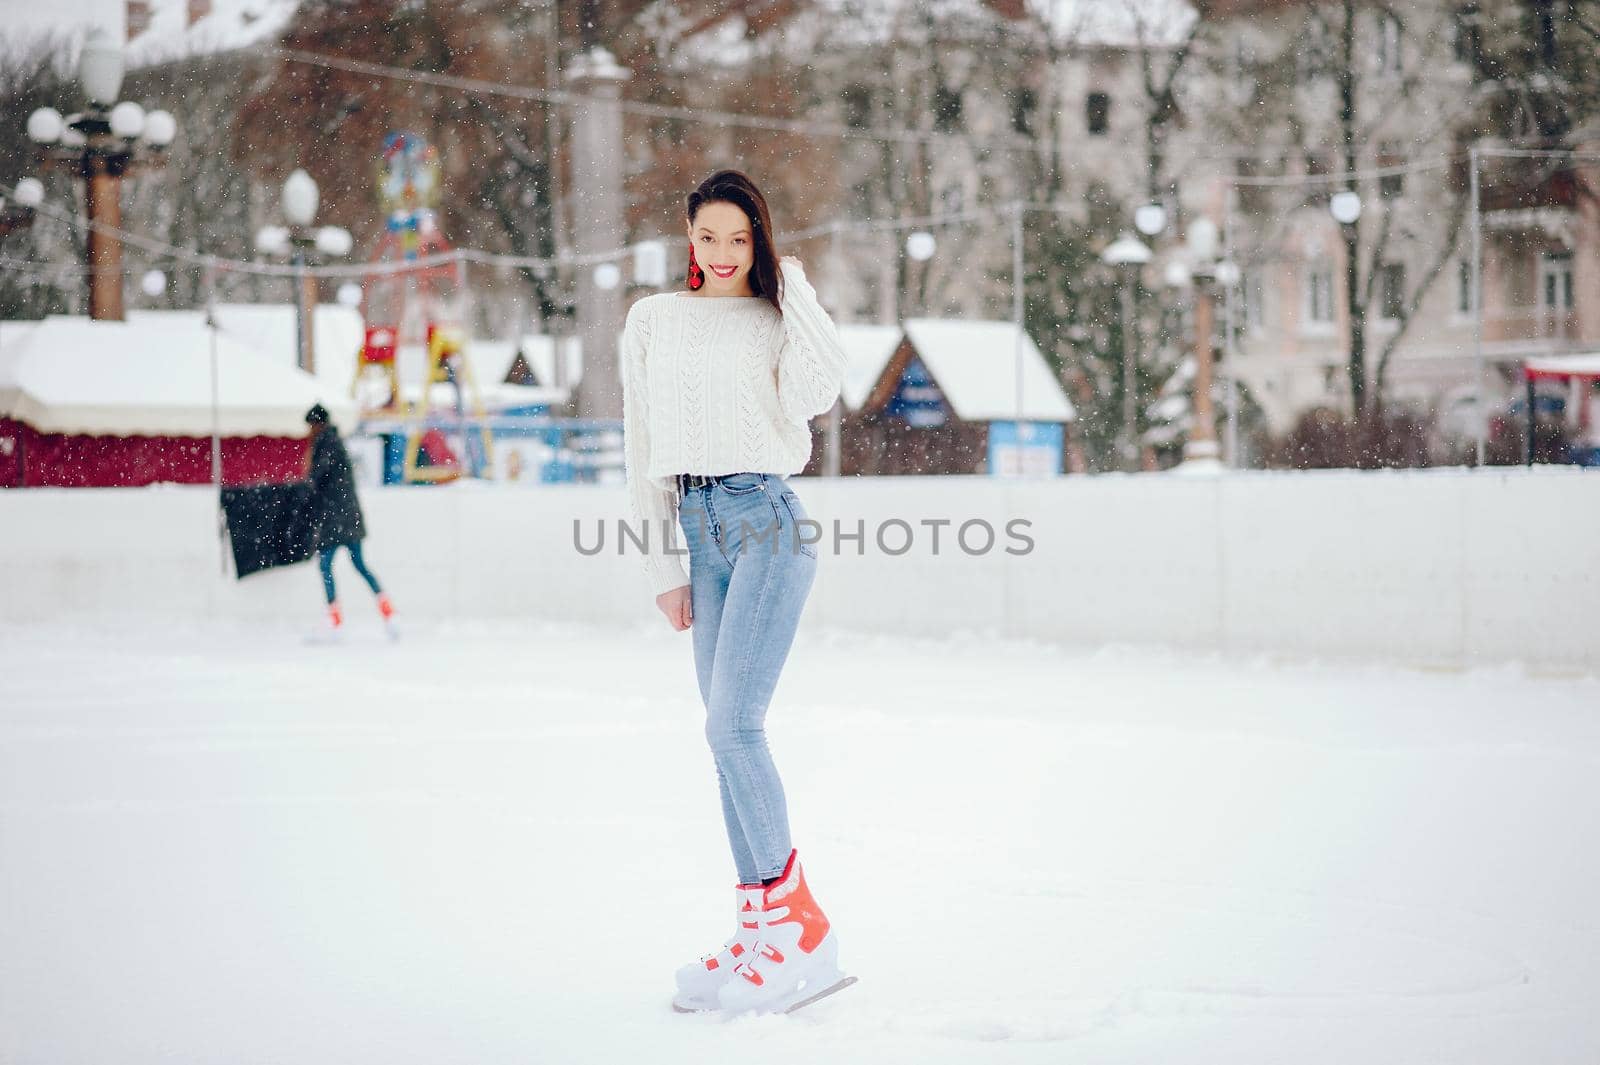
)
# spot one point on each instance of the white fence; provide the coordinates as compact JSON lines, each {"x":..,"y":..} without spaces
{"x":1444,"y":567}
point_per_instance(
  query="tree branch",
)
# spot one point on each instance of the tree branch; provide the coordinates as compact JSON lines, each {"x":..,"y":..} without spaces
{"x":1457,"y":214}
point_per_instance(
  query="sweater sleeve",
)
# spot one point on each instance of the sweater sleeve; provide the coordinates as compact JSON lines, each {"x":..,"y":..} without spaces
{"x":811,"y":360}
{"x":653,"y":509}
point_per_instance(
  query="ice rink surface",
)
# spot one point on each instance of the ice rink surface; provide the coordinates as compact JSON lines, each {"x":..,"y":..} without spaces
{"x":493,"y":843}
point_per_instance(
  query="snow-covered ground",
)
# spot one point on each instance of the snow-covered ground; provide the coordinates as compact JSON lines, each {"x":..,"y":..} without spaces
{"x":494,"y":843}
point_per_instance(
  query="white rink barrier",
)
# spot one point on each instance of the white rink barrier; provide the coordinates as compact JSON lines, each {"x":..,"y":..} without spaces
{"x":1431,"y":568}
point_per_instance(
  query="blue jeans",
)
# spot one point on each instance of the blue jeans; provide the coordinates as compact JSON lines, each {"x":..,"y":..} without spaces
{"x":325,"y":561}
{"x":749,"y":576}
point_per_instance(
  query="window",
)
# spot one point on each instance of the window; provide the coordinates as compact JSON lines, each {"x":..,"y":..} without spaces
{"x":1391,"y":154}
{"x":1250,"y":286}
{"x":1393,"y":296}
{"x":946,"y":110}
{"x":1319,"y":295}
{"x":1387,"y":56}
{"x":1545,"y":31}
{"x":1555,"y":281}
{"x":1097,"y":109}
{"x":1468,"y":37}
{"x":1023,"y":104}
{"x":1464,"y":287}
{"x":1256,"y":198}
{"x":1319,"y":164}
{"x":857,"y":100}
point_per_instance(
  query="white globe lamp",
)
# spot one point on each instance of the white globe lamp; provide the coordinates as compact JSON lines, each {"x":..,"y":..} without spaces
{"x":29,"y":192}
{"x":100,"y":68}
{"x":334,"y":241}
{"x":300,"y":198}
{"x":160,"y":128}
{"x":1150,"y":219}
{"x":1345,"y":206}
{"x":127,"y":120}
{"x":45,"y":126}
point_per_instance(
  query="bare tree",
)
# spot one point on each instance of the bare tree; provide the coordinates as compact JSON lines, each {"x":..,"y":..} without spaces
{"x":1347,"y":86}
{"x":35,"y":73}
{"x":200,"y":198}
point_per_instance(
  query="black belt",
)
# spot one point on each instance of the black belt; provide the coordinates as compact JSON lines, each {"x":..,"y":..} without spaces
{"x":687,"y":481}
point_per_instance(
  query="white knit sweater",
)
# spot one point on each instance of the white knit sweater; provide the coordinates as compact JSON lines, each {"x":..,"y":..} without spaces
{"x":717,"y":385}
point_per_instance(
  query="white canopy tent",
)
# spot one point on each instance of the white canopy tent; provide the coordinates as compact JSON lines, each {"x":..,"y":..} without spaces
{"x":152,"y":376}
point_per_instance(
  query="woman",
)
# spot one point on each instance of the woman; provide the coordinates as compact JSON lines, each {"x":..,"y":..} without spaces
{"x":719,"y":385}
{"x":336,"y":519}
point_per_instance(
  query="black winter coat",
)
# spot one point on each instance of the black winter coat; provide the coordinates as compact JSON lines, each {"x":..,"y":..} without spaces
{"x":335,"y":513}
{"x":269,"y":525}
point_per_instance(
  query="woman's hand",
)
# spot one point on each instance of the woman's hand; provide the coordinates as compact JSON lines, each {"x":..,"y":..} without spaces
{"x":675,"y":605}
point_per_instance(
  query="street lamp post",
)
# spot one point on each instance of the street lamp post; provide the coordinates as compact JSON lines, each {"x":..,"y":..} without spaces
{"x":300,"y":200}
{"x":1202,"y":266}
{"x":1127,"y":255}
{"x":101,"y":144}
{"x":1345,"y":207}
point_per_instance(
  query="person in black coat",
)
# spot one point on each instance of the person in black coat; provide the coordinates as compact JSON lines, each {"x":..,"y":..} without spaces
{"x":336,"y":519}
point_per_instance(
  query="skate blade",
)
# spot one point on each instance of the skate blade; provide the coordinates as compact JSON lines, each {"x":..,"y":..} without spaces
{"x":678,"y":1007}
{"x":817,"y":996}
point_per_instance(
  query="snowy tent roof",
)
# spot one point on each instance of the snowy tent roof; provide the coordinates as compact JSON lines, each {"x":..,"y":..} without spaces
{"x":868,"y":349}
{"x":974,"y":364}
{"x":151,"y":376}
{"x":231,"y":25}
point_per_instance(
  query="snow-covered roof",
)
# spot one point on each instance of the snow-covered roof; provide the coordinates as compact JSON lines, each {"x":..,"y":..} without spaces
{"x":868,"y":349}
{"x":231,"y":25}
{"x":1085,"y":23}
{"x":1117,"y":23}
{"x":492,"y":359}
{"x":974,"y":364}
{"x":1563,"y":366}
{"x":151,"y":376}
{"x":728,"y":42}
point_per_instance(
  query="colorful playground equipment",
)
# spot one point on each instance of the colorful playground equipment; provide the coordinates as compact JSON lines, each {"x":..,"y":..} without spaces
{"x":415,"y":336}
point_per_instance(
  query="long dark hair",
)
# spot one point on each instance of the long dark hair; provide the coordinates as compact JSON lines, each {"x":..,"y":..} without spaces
{"x":731,"y":186}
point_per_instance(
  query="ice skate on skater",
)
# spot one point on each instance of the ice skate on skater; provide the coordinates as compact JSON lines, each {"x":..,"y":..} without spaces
{"x":699,"y":981}
{"x":795,"y":960}
{"x":717,"y":470}
{"x":782,"y":956}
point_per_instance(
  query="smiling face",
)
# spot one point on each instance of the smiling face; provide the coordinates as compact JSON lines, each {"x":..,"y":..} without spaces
{"x":724,"y":246}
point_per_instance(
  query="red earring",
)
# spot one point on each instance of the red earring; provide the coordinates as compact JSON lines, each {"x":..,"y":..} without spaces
{"x":696,"y":278}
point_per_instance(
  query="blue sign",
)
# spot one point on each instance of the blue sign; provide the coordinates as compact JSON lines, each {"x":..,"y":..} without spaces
{"x":1034,"y":451}
{"x":917,"y":400}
